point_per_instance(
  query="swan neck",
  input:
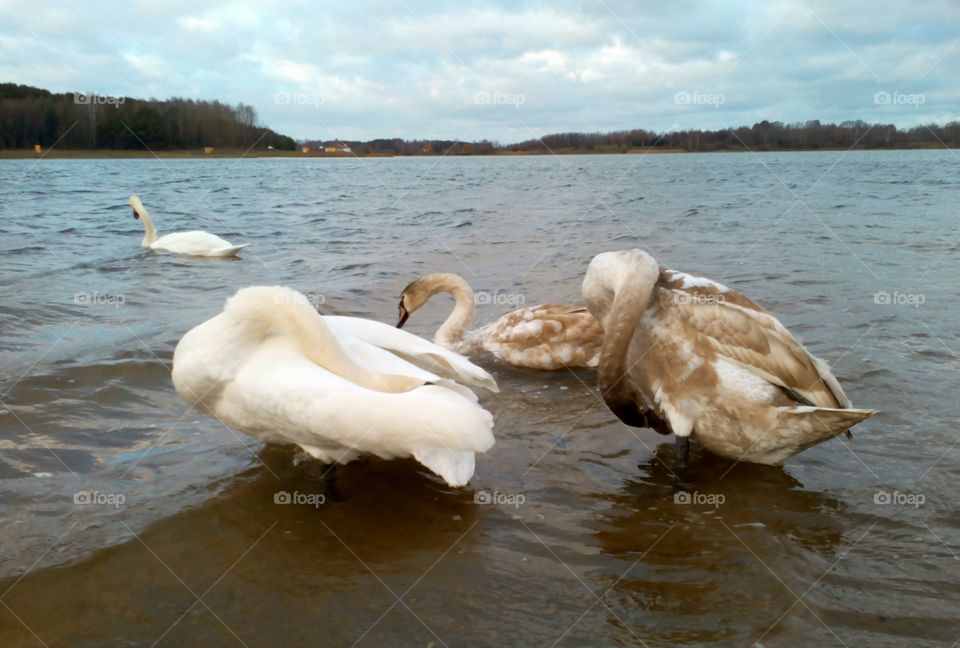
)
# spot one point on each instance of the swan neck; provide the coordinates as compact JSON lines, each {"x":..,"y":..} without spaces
{"x":631,"y":300}
{"x":149,"y":229}
{"x":451,"y":332}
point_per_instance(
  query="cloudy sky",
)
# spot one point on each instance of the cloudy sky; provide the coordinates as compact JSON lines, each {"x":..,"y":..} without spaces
{"x":505,"y":71}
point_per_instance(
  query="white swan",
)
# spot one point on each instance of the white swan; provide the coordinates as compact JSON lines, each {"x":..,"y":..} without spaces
{"x":194,"y":243}
{"x":687,"y":355}
{"x":270,"y":366}
{"x":546,"y":336}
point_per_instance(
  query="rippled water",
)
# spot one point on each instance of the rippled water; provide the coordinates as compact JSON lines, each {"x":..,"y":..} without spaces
{"x":600,"y":551}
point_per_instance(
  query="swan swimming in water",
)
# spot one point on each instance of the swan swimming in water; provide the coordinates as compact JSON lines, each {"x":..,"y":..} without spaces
{"x":194,"y":243}
{"x":687,"y":355}
{"x":269,"y":365}
{"x":547,"y":336}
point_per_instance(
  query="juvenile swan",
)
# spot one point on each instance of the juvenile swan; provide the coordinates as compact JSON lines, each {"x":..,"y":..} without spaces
{"x":687,"y":355}
{"x":270,"y":366}
{"x":194,"y":243}
{"x":547,"y":336}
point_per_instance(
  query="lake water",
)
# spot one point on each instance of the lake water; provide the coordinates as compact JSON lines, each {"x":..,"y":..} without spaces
{"x":588,"y":542}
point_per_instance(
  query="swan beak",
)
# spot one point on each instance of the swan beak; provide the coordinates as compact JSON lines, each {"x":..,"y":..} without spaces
{"x":404,"y":314}
{"x":136,"y":215}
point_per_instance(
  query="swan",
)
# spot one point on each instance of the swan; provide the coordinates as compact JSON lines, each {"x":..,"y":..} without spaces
{"x":687,"y":355}
{"x":547,"y":336}
{"x":269,"y":365}
{"x":195,"y":243}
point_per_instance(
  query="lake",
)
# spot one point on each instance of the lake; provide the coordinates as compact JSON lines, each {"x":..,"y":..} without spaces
{"x":129,"y":519}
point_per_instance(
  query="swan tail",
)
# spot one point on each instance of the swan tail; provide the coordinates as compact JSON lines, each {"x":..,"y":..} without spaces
{"x":454,"y":466}
{"x":448,"y":429}
{"x":817,"y":424}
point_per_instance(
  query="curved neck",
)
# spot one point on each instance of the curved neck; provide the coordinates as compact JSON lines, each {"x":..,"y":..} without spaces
{"x":289,"y":312}
{"x":149,"y":230}
{"x":630,"y":302}
{"x":451,"y":331}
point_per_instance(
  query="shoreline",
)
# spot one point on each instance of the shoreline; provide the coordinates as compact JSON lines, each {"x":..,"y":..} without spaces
{"x":91,"y":154}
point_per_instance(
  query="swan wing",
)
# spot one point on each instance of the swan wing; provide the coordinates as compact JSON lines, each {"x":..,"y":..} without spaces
{"x":425,"y":355}
{"x":279,"y":395}
{"x":378,"y":360}
{"x":546,"y":336}
{"x":735,"y":327}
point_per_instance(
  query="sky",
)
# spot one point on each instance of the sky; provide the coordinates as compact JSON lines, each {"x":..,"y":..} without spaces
{"x":504,"y":71}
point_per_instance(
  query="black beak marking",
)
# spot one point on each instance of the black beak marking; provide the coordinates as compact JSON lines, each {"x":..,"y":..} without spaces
{"x":136,"y":215}
{"x":404,"y":315}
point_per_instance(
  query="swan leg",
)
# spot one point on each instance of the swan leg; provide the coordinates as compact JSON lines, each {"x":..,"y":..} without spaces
{"x":331,"y":477}
{"x":682,"y":444}
{"x":325,"y":473}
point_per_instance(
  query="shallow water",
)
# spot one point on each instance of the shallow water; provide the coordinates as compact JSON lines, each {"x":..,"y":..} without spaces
{"x":588,"y":541}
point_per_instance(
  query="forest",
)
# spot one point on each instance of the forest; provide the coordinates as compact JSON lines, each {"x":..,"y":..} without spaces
{"x":30,"y":116}
{"x":762,"y":136}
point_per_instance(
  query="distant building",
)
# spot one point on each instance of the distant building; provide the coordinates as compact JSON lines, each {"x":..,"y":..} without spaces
{"x":37,"y":148}
{"x":207,"y":150}
{"x":305,"y":149}
{"x":337,"y":147}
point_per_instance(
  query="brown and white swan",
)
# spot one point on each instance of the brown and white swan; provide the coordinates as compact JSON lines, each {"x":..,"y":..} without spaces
{"x":687,"y":355}
{"x":546,"y":336}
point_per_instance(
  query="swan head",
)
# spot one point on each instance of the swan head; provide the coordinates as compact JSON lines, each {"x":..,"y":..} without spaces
{"x":137,"y":206}
{"x":607,"y":274}
{"x":416,"y":294}
{"x":404,"y":310}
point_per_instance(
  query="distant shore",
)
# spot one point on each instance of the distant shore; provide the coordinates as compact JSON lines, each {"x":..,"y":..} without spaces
{"x":24,"y":154}
{"x":80,"y":154}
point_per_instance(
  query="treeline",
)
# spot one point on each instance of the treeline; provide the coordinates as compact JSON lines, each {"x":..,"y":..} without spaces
{"x":30,"y":116}
{"x":763,"y":136}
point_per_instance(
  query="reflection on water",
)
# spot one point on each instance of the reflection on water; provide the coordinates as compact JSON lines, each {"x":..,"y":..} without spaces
{"x":591,"y":539}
